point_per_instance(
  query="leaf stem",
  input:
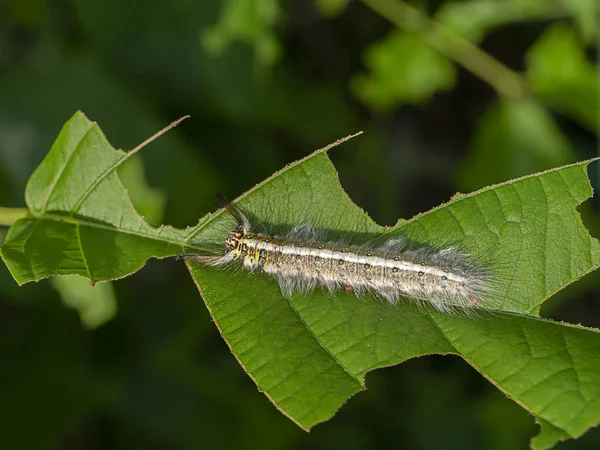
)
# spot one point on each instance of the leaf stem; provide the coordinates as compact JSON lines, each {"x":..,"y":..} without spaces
{"x":9,"y":216}
{"x":505,"y":81}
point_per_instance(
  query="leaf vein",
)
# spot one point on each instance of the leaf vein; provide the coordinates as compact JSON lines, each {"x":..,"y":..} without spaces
{"x":62,"y":171}
{"x":335,"y":358}
{"x":87,"y":267}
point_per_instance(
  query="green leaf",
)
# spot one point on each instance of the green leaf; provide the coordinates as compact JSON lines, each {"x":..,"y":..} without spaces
{"x":403,"y":69}
{"x":561,"y":75}
{"x":308,"y":354}
{"x":513,"y":138}
{"x":81,"y":219}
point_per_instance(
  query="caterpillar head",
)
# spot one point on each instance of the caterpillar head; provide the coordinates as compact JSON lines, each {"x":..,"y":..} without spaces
{"x":232,"y":243}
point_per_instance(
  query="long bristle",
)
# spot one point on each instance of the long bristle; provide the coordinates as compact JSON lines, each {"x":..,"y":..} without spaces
{"x":231,"y":209}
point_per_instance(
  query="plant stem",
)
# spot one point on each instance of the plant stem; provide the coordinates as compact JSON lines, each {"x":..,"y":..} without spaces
{"x":8,"y":216}
{"x":505,"y":81}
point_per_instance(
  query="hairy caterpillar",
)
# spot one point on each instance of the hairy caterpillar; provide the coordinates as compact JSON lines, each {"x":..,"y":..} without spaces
{"x":303,"y":259}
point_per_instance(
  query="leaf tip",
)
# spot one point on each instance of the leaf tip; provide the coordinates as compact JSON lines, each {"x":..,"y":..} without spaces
{"x":158,"y":134}
{"x":338,"y":142}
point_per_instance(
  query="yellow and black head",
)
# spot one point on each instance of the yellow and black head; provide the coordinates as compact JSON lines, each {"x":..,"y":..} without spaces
{"x":233,"y":241}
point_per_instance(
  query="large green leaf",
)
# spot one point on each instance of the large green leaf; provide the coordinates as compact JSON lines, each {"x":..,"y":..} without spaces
{"x":310,"y":353}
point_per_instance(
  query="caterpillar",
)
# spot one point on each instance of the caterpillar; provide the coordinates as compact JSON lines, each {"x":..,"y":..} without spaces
{"x":304,"y":259}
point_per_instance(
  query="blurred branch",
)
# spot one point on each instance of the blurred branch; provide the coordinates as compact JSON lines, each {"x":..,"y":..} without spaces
{"x":8,"y":216}
{"x":505,"y":81}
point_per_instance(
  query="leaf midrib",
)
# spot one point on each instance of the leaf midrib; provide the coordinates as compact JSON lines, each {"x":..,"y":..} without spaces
{"x":324,"y":347}
{"x":55,"y":182}
{"x":79,"y":222}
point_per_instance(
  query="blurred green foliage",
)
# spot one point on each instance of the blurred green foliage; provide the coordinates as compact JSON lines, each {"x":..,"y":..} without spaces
{"x":561,"y":75}
{"x":158,"y":375}
{"x":96,"y":304}
{"x":248,"y":21}
{"x":413,"y":78}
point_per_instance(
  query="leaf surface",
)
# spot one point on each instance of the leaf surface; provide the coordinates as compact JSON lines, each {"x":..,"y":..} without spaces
{"x":310,"y":353}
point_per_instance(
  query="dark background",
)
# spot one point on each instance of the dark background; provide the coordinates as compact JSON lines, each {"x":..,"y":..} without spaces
{"x":157,"y":375}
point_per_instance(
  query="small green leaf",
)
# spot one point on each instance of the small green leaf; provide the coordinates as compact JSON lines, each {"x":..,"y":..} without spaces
{"x":514,"y":138}
{"x":81,"y":219}
{"x":561,"y":75}
{"x":403,"y":69}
